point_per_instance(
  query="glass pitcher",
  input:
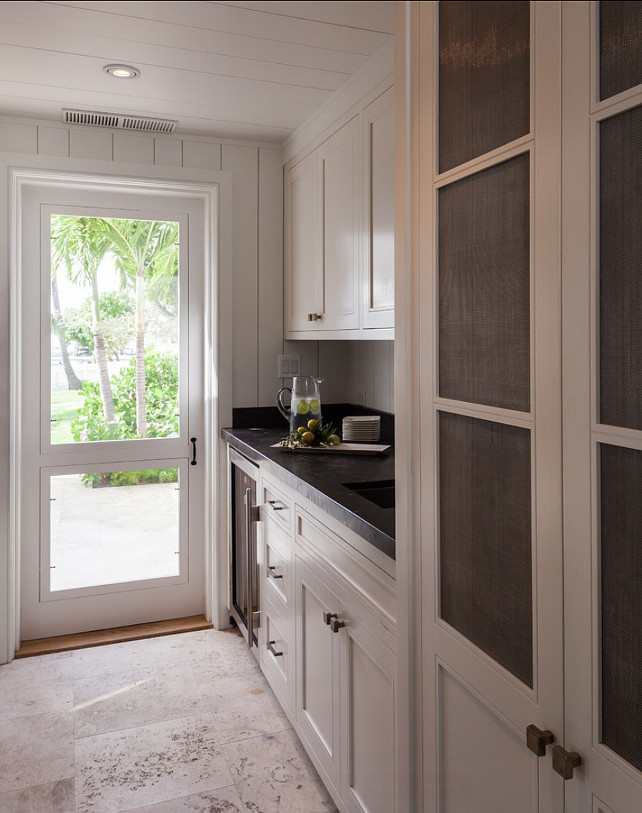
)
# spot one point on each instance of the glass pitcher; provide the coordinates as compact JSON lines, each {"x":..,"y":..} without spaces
{"x":305,"y":401}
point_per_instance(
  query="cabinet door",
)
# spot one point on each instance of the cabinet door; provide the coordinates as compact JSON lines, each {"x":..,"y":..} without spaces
{"x":338,"y":174}
{"x":317,"y":663}
{"x":368,"y":671}
{"x":602,"y":240}
{"x":302,"y":244}
{"x":490,"y":398}
{"x":378,"y":283}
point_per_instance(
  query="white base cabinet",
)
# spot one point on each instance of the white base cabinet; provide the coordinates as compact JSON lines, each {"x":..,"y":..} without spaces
{"x":328,"y":649}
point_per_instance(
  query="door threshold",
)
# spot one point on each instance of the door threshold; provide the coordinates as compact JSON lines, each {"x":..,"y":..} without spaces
{"x":117,"y":635}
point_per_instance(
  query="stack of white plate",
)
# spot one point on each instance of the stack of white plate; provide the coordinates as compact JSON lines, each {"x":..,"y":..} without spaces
{"x":361,"y":428}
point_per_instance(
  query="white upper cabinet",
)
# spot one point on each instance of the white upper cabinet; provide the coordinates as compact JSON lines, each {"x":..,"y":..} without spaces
{"x":302,"y":246}
{"x":378,"y":286}
{"x":339,"y":263}
{"x":338,"y":182}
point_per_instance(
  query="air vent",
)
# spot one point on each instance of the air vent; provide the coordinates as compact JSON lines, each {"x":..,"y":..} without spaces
{"x":119,"y":121}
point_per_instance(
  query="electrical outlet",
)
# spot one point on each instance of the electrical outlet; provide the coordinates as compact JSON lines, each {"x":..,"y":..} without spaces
{"x":288,"y":366}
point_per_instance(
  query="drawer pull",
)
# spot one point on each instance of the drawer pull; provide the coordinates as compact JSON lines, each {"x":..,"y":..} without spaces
{"x":272,"y":574}
{"x":335,"y":624}
{"x":274,"y":506}
{"x":537,"y":740}
{"x":273,"y":650}
{"x":564,"y":762}
{"x":328,"y":617}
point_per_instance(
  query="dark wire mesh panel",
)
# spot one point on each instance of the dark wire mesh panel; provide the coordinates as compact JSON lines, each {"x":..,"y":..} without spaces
{"x":485,"y":538}
{"x":484,"y":287}
{"x":620,"y":47}
{"x":621,"y":601}
{"x":620,"y":270}
{"x":484,"y":77}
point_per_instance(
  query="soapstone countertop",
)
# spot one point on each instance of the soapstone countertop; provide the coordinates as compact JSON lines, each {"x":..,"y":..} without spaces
{"x":320,"y":478}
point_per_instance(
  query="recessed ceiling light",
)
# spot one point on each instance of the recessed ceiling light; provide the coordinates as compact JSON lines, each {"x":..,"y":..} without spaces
{"x":122,"y":71}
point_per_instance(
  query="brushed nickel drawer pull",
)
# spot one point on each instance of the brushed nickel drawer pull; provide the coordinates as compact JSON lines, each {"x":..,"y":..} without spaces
{"x":273,"y":505}
{"x":328,"y":617}
{"x":271,"y":571}
{"x":273,"y":650}
{"x":335,"y":624}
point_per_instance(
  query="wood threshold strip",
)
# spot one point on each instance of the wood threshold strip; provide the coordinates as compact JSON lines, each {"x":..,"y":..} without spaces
{"x":136,"y":632}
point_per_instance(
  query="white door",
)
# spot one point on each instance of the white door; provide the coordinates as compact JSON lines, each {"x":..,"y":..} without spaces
{"x":111,"y":474}
{"x":487,"y":407}
{"x":602,"y":196}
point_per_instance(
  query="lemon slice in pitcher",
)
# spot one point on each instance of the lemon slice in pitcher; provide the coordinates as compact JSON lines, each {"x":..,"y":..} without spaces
{"x":303,"y":407}
{"x":314,"y":405}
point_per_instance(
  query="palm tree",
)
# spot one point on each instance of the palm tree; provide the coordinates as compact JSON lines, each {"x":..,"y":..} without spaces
{"x":73,"y":381}
{"x":145,"y":250}
{"x":80,"y":244}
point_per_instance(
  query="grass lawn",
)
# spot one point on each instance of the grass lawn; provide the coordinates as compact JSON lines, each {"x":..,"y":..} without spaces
{"x":64,"y":408}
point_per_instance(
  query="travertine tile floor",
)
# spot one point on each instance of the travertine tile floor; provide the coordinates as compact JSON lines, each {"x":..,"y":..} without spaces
{"x":166,"y":725}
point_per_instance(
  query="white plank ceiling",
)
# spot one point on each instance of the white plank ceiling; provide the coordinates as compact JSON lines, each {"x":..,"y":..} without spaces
{"x":231,"y":69}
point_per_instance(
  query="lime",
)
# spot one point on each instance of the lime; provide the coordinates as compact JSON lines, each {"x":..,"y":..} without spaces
{"x":301,"y":430}
{"x":307,"y":437}
{"x":303,"y":407}
{"x":334,"y":440}
{"x":314,"y":405}
{"x":313,"y":424}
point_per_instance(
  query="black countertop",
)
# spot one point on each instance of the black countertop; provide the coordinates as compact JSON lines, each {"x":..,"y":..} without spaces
{"x":320,"y":478}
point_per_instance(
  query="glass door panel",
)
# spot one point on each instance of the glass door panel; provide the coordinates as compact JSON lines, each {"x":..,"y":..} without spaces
{"x":107,"y":529}
{"x":115,"y":329}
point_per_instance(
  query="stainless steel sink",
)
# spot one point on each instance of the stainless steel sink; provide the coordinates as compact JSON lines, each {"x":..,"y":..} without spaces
{"x":380,"y":492}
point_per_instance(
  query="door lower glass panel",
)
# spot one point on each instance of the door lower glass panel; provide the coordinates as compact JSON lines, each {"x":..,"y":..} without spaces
{"x":111,"y":528}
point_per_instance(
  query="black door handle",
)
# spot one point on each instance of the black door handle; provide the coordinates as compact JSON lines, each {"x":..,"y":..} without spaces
{"x":193,"y":442}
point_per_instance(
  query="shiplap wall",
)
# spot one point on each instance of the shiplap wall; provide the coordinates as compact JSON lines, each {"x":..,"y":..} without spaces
{"x":257,"y":196}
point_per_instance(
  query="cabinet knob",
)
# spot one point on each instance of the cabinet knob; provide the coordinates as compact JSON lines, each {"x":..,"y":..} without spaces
{"x":328,"y":617}
{"x":537,"y":740}
{"x":335,"y":624}
{"x":564,"y":762}
{"x":314,"y":317}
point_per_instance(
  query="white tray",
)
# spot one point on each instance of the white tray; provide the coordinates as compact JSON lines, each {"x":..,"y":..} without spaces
{"x":342,"y":448}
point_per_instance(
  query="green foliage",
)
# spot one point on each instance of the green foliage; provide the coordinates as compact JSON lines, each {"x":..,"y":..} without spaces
{"x":130,"y":478}
{"x":161,"y":392}
{"x":116,"y":322}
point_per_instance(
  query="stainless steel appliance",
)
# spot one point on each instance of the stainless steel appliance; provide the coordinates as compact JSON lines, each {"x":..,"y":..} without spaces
{"x":243,"y":549}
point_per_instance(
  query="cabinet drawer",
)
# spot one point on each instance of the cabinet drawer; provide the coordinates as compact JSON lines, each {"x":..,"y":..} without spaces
{"x":277,"y":506}
{"x":277,"y":658}
{"x":277,"y":575}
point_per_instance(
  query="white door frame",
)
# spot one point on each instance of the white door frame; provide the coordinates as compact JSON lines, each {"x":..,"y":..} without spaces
{"x":213,"y":189}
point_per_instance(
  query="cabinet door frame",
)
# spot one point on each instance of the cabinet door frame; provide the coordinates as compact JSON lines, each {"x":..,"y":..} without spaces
{"x":297,"y":320}
{"x":373,"y":316}
{"x":347,"y":135}
{"x":605,"y":781}
{"x":326,"y":756}
{"x":446,"y":654}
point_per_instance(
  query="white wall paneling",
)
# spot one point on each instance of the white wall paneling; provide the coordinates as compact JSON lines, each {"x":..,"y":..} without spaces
{"x":90,"y":143}
{"x":201,"y":155}
{"x":270,"y":287}
{"x":18,"y":138}
{"x":53,"y":141}
{"x":136,"y":148}
{"x":243,"y":163}
{"x":168,"y":152}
